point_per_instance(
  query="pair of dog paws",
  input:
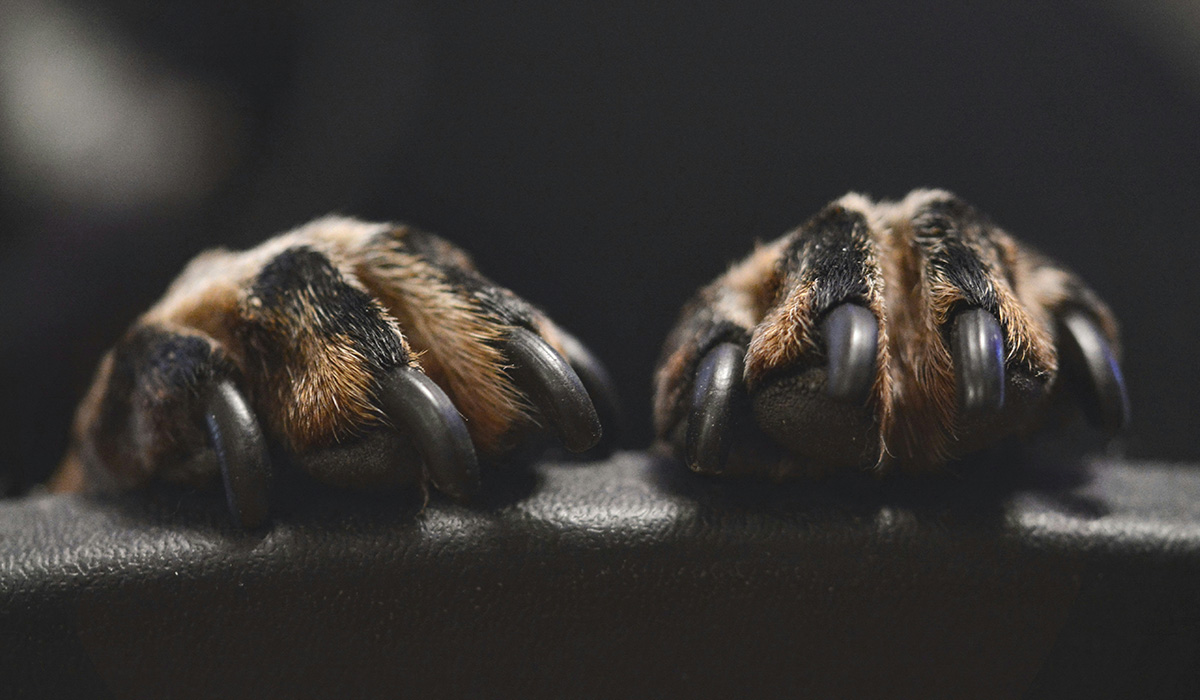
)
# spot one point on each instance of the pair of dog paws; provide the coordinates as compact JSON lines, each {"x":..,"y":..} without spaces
{"x":886,"y":336}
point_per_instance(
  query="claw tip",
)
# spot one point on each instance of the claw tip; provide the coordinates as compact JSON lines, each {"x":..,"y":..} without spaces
{"x":851,"y":341}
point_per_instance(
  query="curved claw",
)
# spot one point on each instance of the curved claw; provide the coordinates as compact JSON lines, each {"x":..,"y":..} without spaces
{"x":1107,"y":406}
{"x":718,"y":379}
{"x":977,"y":346}
{"x":242,"y":452}
{"x":851,"y":335}
{"x":554,"y":388}
{"x":419,"y":407}
{"x":598,"y":384}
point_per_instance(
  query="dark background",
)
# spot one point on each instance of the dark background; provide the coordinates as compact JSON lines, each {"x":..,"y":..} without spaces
{"x":602,"y":161}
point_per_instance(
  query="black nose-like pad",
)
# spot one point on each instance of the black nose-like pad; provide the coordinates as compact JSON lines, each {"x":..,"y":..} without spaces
{"x":242,"y":453}
{"x":851,"y":335}
{"x":718,"y":382}
{"x":977,"y":346}
{"x":1084,"y":347}
{"x":418,"y":407}
{"x":554,"y":388}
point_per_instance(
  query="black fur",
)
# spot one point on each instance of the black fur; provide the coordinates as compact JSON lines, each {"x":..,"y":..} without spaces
{"x":156,"y":381}
{"x":152,"y":364}
{"x":831,"y":251}
{"x":302,"y":286}
{"x":952,"y":234}
{"x":721,"y":331}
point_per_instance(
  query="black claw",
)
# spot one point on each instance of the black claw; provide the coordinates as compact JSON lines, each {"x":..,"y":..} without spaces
{"x":242,"y":452}
{"x":851,"y":335}
{"x":977,"y":346}
{"x":1106,"y":404}
{"x":419,"y":407}
{"x":598,"y":384}
{"x":554,"y":388}
{"x":718,"y":381}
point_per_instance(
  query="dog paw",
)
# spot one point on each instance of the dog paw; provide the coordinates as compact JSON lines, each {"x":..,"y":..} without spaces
{"x":885,"y":336}
{"x":367,"y":354}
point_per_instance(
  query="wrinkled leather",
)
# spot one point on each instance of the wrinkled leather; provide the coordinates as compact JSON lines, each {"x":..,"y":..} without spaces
{"x":622,"y":578}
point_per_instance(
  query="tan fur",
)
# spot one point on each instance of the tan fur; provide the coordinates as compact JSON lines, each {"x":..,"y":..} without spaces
{"x":69,"y":477}
{"x":925,"y":375}
{"x":920,"y":409}
{"x":782,"y":336}
{"x":1043,"y":287}
{"x":457,"y":344}
{"x":326,"y":394}
{"x":883,"y":392}
{"x":745,"y":291}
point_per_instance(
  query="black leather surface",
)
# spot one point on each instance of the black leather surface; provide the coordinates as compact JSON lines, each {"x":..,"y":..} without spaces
{"x":623,"y":578}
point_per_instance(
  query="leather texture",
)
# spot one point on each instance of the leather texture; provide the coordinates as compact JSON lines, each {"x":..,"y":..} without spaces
{"x":621,"y":578}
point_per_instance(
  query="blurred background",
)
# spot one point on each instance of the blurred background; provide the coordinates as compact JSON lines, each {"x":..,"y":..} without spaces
{"x":602,"y":160}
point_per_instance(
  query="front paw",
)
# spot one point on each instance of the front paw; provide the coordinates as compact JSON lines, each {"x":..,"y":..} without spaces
{"x":369,"y":354}
{"x":884,"y":336}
